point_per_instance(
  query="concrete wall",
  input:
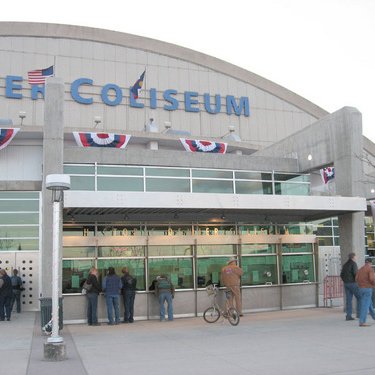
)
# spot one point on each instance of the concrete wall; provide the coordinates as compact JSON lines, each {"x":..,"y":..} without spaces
{"x":109,"y":57}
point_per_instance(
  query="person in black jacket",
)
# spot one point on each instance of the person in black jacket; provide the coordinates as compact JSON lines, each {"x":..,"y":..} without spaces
{"x":92,"y":297}
{"x":348,"y":273}
{"x":129,"y":284}
{"x":6,"y":295}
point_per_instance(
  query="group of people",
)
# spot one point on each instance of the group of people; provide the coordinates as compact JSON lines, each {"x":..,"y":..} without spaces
{"x":10,"y":292}
{"x":113,"y":286}
{"x":358,"y":283}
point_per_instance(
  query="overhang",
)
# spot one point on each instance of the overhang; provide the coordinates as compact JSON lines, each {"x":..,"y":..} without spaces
{"x":88,"y":206}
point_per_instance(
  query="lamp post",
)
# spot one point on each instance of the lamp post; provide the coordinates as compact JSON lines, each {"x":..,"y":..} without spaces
{"x":57,"y":183}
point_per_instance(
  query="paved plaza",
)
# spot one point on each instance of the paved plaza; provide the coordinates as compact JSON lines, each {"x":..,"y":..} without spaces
{"x":295,"y":342}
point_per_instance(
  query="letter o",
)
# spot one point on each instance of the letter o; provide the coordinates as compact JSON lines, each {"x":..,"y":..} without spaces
{"x":104,"y":94}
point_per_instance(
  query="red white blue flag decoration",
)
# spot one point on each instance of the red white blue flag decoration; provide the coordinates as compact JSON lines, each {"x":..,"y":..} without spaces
{"x":195,"y":145}
{"x":135,"y":90}
{"x":38,"y":76}
{"x":6,"y":135}
{"x":327,"y":174}
{"x":101,"y":139}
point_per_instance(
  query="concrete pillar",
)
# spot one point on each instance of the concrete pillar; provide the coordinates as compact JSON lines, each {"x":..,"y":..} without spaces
{"x":347,"y":154}
{"x":53,"y":147}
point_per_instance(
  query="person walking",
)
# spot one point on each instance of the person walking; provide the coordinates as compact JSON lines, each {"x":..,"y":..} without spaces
{"x":366,"y":281}
{"x":129,"y":284}
{"x":17,"y":289}
{"x":112,"y":289}
{"x":6,"y":294}
{"x":231,"y":278}
{"x":348,"y":273}
{"x":92,"y":297}
{"x":164,"y":291}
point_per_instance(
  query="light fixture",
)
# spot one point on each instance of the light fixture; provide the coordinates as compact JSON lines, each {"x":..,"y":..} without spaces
{"x":152,"y":127}
{"x":223,"y":217}
{"x":309,"y":157}
{"x":372,"y":191}
{"x":167,"y":126}
{"x":231,"y":135}
{"x":97,"y":120}
{"x":57,"y":183}
{"x":22,"y":115}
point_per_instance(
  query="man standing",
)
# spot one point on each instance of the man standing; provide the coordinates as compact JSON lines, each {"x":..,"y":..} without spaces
{"x":348,"y":273}
{"x":164,"y":290}
{"x":129,"y":284}
{"x":17,"y":289}
{"x":231,"y":278}
{"x":112,"y":288}
{"x":5,"y":295}
{"x":366,"y":281}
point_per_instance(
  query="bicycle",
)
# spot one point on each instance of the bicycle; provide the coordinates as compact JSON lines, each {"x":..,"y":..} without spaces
{"x":213,"y":313}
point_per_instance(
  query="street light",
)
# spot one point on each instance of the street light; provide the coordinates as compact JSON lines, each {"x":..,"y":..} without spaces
{"x":57,"y":183}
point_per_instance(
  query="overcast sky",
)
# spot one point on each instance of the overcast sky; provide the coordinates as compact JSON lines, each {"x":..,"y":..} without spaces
{"x":323,"y":50}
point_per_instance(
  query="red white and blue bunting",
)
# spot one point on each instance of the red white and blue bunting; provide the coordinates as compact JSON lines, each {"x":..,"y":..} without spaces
{"x":101,"y":139}
{"x":195,"y":145}
{"x":6,"y":136}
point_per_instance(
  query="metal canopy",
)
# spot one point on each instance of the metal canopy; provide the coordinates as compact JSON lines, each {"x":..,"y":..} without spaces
{"x":182,"y":207}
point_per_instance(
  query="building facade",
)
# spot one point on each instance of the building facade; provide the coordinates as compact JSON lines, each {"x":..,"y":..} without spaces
{"x":212,"y":162}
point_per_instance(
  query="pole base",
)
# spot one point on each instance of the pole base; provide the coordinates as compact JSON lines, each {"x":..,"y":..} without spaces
{"x":54,"y":351}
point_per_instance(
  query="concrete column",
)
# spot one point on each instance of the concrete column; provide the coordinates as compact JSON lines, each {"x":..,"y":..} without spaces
{"x":53,"y":146}
{"x":347,"y":154}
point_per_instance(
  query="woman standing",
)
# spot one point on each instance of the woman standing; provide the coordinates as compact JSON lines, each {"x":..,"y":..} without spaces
{"x":92,"y":297}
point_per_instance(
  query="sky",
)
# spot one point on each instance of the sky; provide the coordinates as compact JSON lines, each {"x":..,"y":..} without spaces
{"x":323,"y":50}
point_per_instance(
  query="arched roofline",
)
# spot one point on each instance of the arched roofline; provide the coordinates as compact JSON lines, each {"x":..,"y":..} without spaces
{"x":50,"y":30}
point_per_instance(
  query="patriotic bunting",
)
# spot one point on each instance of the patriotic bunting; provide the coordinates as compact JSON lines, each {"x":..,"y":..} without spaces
{"x":6,"y":135}
{"x":327,"y":174}
{"x":194,"y":145}
{"x":101,"y":139}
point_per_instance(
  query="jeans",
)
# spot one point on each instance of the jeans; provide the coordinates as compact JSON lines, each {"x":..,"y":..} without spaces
{"x":16,"y":298}
{"x":350,"y":290}
{"x":113,"y":301}
{"x":366,"y":304}
{"x":166,"y":296}
{"x":129,"y":297}
{"x":5,"y":306}
{"x":92,"y":308}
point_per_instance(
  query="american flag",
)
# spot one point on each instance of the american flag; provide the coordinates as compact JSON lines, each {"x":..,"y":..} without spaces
{"x":38,"y":76}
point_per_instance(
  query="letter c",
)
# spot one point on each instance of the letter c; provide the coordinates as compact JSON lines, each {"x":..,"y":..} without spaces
{"x":74,"y":90}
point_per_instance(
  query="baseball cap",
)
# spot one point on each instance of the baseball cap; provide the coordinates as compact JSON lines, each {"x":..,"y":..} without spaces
{"x":232,"y":260}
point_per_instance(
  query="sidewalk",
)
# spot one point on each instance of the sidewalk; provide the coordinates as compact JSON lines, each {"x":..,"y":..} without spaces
{"x":294,"y":342}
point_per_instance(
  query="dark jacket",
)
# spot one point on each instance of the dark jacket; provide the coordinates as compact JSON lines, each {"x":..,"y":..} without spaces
{"x":129,"y":283}
{"x":93,"y":280}
{"x":349,"y":271}
{"x":6,"y":289}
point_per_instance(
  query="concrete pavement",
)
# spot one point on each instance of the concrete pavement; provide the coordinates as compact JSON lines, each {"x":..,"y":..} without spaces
{"x":310,"y":341}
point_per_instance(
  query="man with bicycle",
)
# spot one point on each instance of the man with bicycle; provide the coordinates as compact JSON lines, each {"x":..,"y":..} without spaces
{"x":231,"y":278}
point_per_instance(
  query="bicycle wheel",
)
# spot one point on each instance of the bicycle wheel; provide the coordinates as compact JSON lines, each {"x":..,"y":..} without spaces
{"x":211,"y":315}
{"x":233,"y":316}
